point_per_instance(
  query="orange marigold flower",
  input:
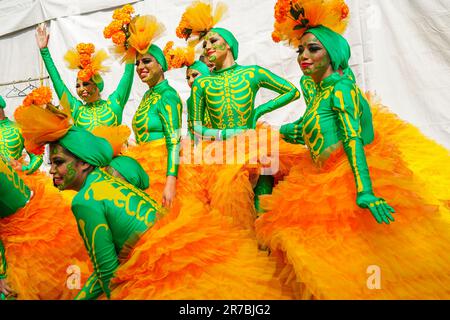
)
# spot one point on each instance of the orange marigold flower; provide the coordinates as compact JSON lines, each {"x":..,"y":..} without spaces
{"x":168,"y":47}
{"x":28,"y":101}
{"x":128,"y":8}
{"x":107,"y":33}
{"x":126,"y":19}
{"x":119,"y":38}
{"x":42,"y":95}
{"x":85,"y":74}
{"x":85,"y":48}
{"x":39,"y":96}
{"x":115,"y":26}
{"x":276,"y":36}
{"x":85,"y":59}
{"x":282,"y":8}
{"x":344,"y":11}
{"x":116,"y":14}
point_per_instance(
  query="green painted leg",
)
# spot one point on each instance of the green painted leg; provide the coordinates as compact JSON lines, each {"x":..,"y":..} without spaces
{"x":263,"y":186}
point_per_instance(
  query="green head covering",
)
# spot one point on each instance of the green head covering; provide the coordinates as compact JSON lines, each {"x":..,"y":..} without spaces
{"x":336,"y":46}
{"x":132,"y":171}
{"x":200,"y":67}
{"x":98,"y":81}
{"x":158,"y":54}
{"x":230,"y":39}
{"x":2,"y":103}
{"x":88,"y":147}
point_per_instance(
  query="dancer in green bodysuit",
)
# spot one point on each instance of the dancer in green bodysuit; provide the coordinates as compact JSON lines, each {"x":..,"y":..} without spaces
{"x":92,"y":111}
{"x":12,"y":144}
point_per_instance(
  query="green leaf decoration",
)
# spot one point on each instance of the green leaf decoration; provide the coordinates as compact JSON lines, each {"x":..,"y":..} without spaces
{"x":294,"y":13}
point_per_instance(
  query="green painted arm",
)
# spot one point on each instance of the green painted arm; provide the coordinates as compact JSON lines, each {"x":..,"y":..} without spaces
{"x":94,"y":229}
{"x":91,"y":290}
{"x":293,"y":132}
{"x":288,"y":93}
{"x":346,"y":104}
{"x":170,"y":114}
{"x":35,"y":163}
{"x":120,"y":96}
{"x":58,"y":84}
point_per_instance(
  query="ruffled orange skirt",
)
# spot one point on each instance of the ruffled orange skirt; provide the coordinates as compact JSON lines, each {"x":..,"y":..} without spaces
{"x":42,"y":245}
{"x":195,"y":254}
{"x":332,"y":249}
{"x":231,"y":169}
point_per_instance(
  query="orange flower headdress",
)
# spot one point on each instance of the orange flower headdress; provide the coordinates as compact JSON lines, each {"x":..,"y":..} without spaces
{"x":198,"y":19}
{"x":178,"y":57}
{"x":41,"y":121}
{"x":90,"y":63}
{"x":294,"y":17}
{"x":132,"y":35}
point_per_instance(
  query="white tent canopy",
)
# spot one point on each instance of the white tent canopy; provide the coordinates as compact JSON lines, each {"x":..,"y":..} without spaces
{"x":400,"y":49}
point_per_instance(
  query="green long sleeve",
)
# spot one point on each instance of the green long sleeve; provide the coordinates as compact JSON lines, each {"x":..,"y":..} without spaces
{"x":228,"y":95}
{"x":58,"y":84}
{"x":119,"y":97}
{"x":3,"y":264}
{"x":288,"y":92}
{"x":346,"y":105}
{"x":35,"y":163}
{"x":14,"y":195}
{"x":170,"y":114}
{"x":98,"y":113}
{"x":98,"y":239}
{"x":111,"y":216}
{"x":159,"y":116}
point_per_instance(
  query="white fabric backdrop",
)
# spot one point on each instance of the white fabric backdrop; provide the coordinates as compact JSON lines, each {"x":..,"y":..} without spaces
{"x":400,"y":49}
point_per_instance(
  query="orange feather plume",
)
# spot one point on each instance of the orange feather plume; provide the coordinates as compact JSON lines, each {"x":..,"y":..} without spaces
{"x":198,"y":19}
{"x":43,"y":123}
{"x":294,"y":17}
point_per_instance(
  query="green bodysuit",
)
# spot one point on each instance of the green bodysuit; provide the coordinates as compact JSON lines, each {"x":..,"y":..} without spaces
{"x":159,"y":116}
{"x":12,"y":145}
{"x":14,"y":194}
{"x":333,"y":118}
{"x":98,"y":113}
{"x":206,"y":119}
{"x":228,"y":95}
{"x":111,"y":216}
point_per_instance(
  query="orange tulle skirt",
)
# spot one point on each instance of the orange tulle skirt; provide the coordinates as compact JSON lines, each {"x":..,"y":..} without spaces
{"x":193,"y":251}
{"x":329,"y":248}
{"x":43,"y":249}
{"x":230,"y":170}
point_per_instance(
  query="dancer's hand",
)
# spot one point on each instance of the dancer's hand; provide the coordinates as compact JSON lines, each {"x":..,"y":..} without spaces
{"x":15,"y":164}
{"x":169,"y":191}
{"x":292,"y":132}
{"x":5,"y":289}
{"x":42,"y":36}
{"x":381,"y":211}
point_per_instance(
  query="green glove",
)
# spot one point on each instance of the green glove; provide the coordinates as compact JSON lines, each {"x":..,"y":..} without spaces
{"x":377,"y":206}
{"x":292,"y":132}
